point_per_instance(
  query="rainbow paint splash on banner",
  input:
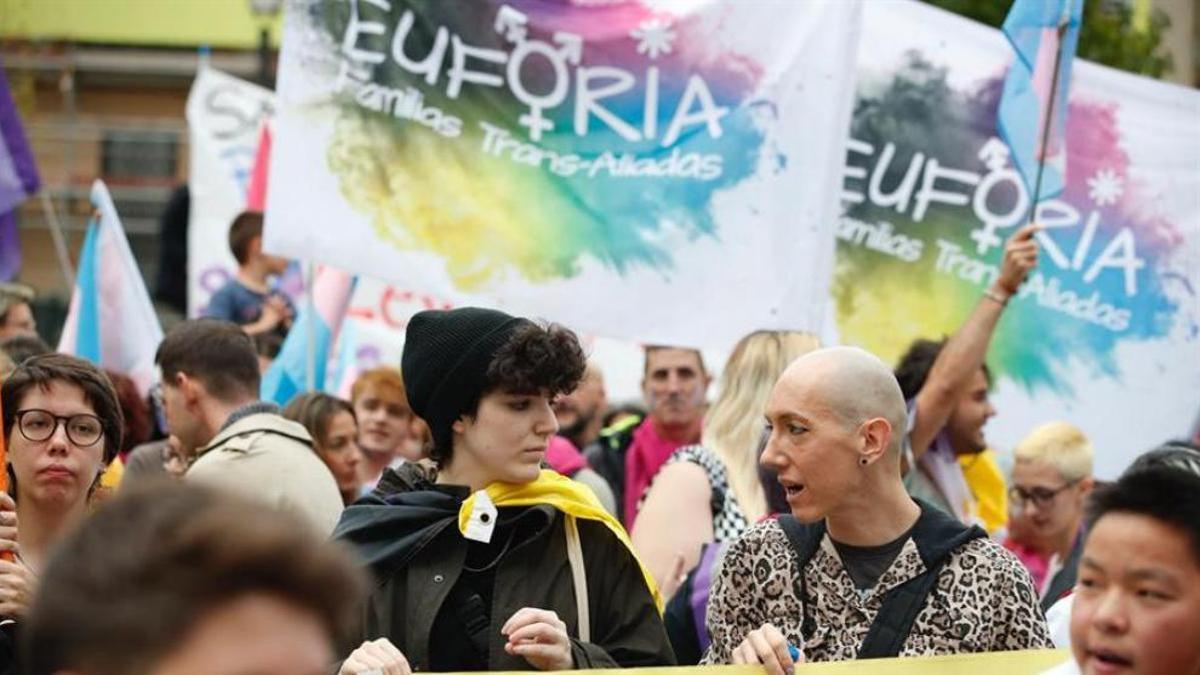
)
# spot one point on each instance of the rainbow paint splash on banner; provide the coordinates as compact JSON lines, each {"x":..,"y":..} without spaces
{"x":1110,"y":319}
{"x":1103,"y":276}
{"x":572,"y":159}
{"x":594,"y":106}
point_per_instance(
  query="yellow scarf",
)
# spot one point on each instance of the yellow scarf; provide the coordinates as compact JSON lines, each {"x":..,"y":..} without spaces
{"x":569,"y":497}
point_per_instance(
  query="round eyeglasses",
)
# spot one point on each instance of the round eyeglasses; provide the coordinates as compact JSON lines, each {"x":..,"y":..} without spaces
{"x":1040,"y":496}
{"x":39,"y":425}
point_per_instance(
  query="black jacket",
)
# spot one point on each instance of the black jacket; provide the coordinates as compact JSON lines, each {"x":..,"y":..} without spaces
{"x":407,"y":532}
{"x":606,"y":456}
{"x":1064,"y":580}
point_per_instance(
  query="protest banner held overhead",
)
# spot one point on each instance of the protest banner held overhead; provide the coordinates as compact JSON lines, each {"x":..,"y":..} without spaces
{"x":930,"y":193}
{"x":627,"y":170}
{"x":1106,"y":332}
{"x":225,"y":116}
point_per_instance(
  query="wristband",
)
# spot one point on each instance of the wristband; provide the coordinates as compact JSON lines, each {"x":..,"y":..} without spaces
{"x":996,"y":297}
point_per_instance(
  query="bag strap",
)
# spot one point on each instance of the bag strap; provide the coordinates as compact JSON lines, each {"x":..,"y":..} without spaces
{"x":805,"y":540}
{"x":897,"y":615}
{"x":579,"y":576}
{"x":902,"y":604}
{"x":937,"y":535}
{"x":473,"y":616}
{"x":698,"y":586}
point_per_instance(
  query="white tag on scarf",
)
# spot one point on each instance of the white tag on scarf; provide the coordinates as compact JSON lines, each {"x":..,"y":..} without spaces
{"x":483,"y":519}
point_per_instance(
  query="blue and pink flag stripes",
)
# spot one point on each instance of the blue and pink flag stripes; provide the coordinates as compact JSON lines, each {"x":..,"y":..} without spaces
{"x":1042,"y":32}
{"x":18,"y":178}
{"x":111,"y":321}
{"x":318,"y":323}
{"x":315,"y":330}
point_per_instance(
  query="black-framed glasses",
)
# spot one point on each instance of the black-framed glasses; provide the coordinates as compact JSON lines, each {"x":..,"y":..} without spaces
{"x":1040,"y":496}
{"x":39,"y":425}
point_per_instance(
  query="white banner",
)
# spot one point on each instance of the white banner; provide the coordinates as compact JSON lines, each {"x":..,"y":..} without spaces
{"x":1106,"y":332}
{"x":374,"y":336}
{"x":224,"y":115}
{"x":664,"y":174}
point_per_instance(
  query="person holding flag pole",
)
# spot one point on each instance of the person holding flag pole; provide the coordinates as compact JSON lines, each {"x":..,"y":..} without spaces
{"x":946,"y":383}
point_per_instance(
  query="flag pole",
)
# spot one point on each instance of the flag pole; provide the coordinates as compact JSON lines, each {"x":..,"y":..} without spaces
{"x":60,"y":240}
{"x":1063,"y":24}
{"x":310,"y":365}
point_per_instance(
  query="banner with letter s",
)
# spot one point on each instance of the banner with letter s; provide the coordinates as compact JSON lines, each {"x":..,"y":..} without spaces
{"x":225,"y":115}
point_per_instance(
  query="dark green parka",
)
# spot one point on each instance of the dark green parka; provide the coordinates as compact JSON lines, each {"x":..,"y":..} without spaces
{"x":406,"y":530}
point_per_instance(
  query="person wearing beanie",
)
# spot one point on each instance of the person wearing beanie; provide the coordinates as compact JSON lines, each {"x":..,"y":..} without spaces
{"x":488,"y":561}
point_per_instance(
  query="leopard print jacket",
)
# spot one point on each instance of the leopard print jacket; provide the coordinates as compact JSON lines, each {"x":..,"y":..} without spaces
{"x":983,"y":600}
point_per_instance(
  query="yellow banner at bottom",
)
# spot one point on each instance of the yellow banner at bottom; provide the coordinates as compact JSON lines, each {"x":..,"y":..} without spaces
{"x":1008,"y":663}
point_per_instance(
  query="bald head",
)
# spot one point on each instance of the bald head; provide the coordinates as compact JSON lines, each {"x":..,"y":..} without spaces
{"x":854,"y":385}
{"x":592,"y":374}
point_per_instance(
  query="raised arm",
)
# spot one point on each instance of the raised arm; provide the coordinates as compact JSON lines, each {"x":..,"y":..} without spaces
{"x":964,"y":352}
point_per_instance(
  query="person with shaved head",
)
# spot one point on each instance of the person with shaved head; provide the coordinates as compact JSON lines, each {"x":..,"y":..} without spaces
{"x":859,"y":569}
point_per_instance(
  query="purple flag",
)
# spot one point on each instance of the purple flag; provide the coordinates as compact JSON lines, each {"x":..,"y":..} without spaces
{"x":18,"y":178}
{"x":10,"y":247}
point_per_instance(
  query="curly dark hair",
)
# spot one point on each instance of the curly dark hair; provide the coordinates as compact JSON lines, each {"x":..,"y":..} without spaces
{"x":534,"y":360}
{"x":916,"y":363}
{"x":1176,"y":454}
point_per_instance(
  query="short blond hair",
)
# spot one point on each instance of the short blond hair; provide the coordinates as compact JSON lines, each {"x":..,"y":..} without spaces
{"x":1060,"y":444}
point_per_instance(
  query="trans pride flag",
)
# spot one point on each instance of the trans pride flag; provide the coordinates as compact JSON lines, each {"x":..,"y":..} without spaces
{"x":256,"y":190}
{"x":18,"y":179}
{"x":314,"y":333}
{"x":111,"y":321}
{"x":1044,"y":34}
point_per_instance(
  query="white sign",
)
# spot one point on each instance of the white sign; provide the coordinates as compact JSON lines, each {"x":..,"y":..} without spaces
{"x":224,"y":116}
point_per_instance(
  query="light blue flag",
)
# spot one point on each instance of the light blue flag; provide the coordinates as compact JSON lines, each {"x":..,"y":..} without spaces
{"x":1043,"y":33}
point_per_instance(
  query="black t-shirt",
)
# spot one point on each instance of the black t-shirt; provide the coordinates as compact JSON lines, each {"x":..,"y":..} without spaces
{"x":451,"y":648}
{"x":867,"y":563}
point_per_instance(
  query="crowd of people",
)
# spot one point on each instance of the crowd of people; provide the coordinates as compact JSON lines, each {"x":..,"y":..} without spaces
{"x":484,"y":507}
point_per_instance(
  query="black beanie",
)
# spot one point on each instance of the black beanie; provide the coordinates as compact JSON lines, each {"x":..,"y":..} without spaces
{"x":445,"y":362}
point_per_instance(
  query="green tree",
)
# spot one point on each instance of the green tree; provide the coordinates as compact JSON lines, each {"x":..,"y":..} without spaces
{"x":1109,"y":35}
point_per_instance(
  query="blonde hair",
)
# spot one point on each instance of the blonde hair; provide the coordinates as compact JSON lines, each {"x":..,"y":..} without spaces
{"x":733,"y":426}
{"x":1060,"y":444}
